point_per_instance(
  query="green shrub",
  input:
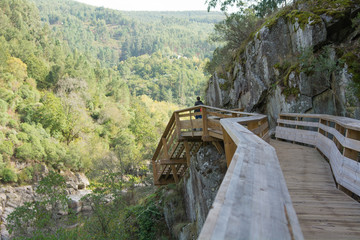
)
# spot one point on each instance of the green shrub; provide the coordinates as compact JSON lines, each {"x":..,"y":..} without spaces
{"x":27,"y":111}
{"x":13,"y":124}
{"x":29,"y":151}
{"x":4,"y":118}
{"x":6,"y":94}
{"x":2,"y":136}
{"x":26,"y":175}
{"x":7,"y":147}
{"x":3,"y":106}
{"x":8,"y":175}
{"x":12,"y":137}
{"x":27,"y":93}
{"x":2,"y":165}
{"x":55,"y":153}
{"x":22,"y":136}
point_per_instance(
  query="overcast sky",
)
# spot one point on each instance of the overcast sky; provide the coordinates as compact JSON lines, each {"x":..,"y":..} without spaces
{"x":149,"y":5}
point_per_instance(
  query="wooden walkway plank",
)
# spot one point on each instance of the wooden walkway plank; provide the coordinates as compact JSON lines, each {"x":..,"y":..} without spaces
{"x":324,"y":212}
{"x":253,"y":201}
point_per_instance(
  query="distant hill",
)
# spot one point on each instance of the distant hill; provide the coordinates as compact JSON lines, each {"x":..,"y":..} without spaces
{"x":111,"y":35}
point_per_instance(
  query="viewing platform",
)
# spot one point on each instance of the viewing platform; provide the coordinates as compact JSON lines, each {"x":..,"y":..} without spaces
{"x":273,"y":189}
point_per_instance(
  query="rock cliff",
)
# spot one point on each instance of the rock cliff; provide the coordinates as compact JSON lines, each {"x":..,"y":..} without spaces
{"x":298,"y":61}
{"x":187,"y":204}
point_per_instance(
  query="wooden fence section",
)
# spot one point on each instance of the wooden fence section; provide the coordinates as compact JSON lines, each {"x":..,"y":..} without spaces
{"x":253,"y":201}
{"x":338,"y":138}
{"x":188,"y":129}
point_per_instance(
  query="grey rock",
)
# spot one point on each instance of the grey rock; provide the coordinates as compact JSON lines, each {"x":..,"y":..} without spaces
{"x":82,"y":180}
{"x":257,"y":85}
{"x":13,"y":197}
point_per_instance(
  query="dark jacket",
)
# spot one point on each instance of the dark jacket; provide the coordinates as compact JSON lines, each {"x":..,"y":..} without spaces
{"x":198,"y":103}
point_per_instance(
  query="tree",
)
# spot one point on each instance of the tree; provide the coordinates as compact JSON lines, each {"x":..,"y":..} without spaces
{"x":262,"y":7}
{"x":224,"y":4}
{"x":41,"y":215}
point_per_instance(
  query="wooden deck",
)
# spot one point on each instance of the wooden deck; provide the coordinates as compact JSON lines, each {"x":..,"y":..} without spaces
{"x":186,"y":132}
{"x":324,"y":212}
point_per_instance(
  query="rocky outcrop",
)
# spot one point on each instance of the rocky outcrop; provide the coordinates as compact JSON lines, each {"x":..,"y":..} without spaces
{"x":270,"y":78}
{"x":187,"y":205}
{"x":13,"y":197}
{"x":75,"y":181}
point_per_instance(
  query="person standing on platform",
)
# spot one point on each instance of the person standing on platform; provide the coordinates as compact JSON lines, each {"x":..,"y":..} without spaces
{"x":198,"y":102}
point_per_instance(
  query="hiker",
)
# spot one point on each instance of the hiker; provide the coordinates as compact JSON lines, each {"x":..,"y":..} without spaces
{"x":198,"y":102}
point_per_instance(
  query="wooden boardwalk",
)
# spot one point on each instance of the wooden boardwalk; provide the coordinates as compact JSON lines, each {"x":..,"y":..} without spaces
{"x":324,"y":212}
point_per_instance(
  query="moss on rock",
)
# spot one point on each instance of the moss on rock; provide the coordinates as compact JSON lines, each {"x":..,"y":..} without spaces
{"x":303,"y":18}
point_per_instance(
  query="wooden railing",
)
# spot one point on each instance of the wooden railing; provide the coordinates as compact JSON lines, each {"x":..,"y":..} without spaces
{"x":253,"y":201}
{"x":338,"y":138}
{"x":186,"y":131}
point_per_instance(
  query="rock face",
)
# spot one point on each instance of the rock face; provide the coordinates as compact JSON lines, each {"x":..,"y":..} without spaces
{"x":270,"y":78}
{"x":13,"y":197}
{"x":187,"y":206}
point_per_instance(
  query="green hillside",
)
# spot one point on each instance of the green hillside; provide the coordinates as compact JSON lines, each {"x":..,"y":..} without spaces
{"x":70,"y":102}
{"x":91,"y":89}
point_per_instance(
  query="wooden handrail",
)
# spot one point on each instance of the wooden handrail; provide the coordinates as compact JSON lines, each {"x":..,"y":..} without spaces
{"x":185,"y":124}
{"x":253,"y":201}
{"x":253,"y":198}
{"x":338,"y":138}
{"x":214,"y":109}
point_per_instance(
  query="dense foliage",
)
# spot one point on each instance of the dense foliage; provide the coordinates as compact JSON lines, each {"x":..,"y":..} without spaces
{"x":111,"y":35}
{"x":91,"y":89}
{"x":85,"y":88}
{"x":40,"y":215}
{"x":115,"y":214}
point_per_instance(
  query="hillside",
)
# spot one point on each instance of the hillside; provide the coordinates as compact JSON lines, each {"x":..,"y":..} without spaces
{"x":64,"y":87}
{"x":303,"y":58}
{"x":111,"y":35}
{"x":85,"y":89}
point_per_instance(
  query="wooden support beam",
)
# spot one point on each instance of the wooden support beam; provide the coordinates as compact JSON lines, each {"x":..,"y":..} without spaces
{"x":166,"y":150}
{"x":155,"y":170}
{"x":173,"y":161}
{"x":230,"y":147}
{"x":210,"y":139}
{"x":174,"y":149}
{"x":181,"y":150}
{"x":162,"y":173}
{"x":218,"y":146}
{"x":164,"y":182}
{"x":198,"y":147}
{"x":174,"y":171}
{"x":187,"y":149}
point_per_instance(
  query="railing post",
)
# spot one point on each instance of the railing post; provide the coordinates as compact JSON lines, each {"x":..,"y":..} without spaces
{"x":155,"y":171}
{"x":187,"y":149}
{"x":230,"y":147}
{"x":166,"y":150}
{"x":350,"y":153}
{"x":192,"y":125}
{"x":252,"y":125}
{"x":205,"y":122}
{"x":176,"y":178}
{"x":178,"y":126}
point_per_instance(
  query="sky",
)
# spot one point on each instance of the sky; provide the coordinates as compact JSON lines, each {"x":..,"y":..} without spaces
{"x":149,"y":5}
